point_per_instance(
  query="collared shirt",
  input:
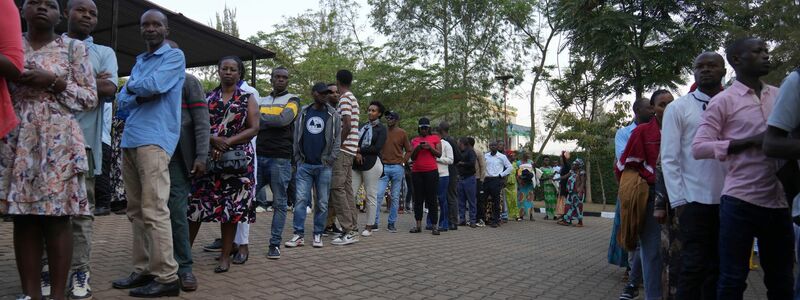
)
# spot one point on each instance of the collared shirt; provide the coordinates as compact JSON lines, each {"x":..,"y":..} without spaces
{"x":91,"y":121}
{"x":621,"y":139}
{"x":735,"y":114}
{"x":157,"y":82}
{"x":497,"y":165}
{"x":687,"y":179}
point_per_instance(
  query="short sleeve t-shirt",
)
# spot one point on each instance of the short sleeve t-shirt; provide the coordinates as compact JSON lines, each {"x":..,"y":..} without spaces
{"x":425,"y":161}
{"x":786,"y":113}
{"x":314,"y":136}
{"x":348,"y":106}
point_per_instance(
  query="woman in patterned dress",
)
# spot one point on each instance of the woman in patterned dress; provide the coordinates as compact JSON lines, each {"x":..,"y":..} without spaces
{"x":43,"y":160}
{"x":573,"y":202}
{"x":549,"y":189}
{"x":119,"y":201}
{"x":223,"y":197}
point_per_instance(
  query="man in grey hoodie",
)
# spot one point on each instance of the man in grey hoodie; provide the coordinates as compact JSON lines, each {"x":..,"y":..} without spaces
{"x":317,"y":139}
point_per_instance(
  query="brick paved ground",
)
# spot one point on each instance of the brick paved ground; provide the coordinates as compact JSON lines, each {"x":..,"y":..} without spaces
{"x":527,"y":260}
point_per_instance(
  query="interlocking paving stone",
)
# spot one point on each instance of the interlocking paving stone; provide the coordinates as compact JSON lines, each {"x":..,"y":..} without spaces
{"x":519,"y":260}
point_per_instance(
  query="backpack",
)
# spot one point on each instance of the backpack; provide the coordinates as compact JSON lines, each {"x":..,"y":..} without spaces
{"x":526,"y":177}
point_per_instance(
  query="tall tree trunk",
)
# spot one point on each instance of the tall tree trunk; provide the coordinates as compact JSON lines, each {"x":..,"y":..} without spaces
{"x":588,"y":164}
{"x":551,"y":131}
{"x":602,"y":186}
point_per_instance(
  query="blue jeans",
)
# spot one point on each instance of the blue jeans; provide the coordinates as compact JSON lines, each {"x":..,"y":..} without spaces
{"x":319,"y":177}
{"x":467,"y":198}
{"x":650,"y":245}
{"x":395,"y":173}
{"x":441,"y":194}
{"x":277,"y":172}
{"x":739,"y":223}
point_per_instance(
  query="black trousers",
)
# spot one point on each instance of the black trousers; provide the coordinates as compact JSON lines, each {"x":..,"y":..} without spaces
{"x":481,"y":196}
{"x":102,"y":183}
{"x":699,"y":234}
{"x":492,"y":187}
{"x":452,"y":197}
{"x":426,"y":185}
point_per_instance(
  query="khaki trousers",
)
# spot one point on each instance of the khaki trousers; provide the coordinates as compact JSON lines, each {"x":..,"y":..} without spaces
{"x":145,"y":172}
{"x":342,"y":198}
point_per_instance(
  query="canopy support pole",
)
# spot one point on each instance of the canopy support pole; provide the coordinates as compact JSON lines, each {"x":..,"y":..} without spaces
{"x":253,"y":72}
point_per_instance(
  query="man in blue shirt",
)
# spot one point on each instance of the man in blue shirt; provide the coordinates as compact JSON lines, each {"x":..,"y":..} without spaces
{"x":152,"y":95}
{"x":317,"y":139}
{"x":82,"y":19}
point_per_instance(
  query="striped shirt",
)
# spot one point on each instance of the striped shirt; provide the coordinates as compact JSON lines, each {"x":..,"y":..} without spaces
{"x":348,"y":106}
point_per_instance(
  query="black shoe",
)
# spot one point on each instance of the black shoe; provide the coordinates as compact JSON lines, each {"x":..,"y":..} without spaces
{"x":472,"y":225}
{"x":415,"y":230}
{"x":274,"y":252}
{"x":462,"y":224}
{"x":493,"y":225}
{"x":156,"y":289}
{"x":391,"y":228}
{"x":435,"y":231}
{"x":240,"y":259}
{"x":102,"y":211}
{"x":188,"y":281}
{"x":133,"y":280}
{"x":454,"y":227}
{"x":215,"y":246}
{"x":629,"y":292}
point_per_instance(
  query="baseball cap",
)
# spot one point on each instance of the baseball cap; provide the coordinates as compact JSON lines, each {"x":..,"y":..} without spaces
{"x":424,"y":122}
{"x":320,"y":87}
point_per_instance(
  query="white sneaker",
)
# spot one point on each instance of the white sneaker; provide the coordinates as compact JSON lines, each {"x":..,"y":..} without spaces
{"x":366,"y":232}
{"x":308,"y":210}
{"x":80,"y":286}
{"x":296,"y":241}
{"x":344,"y":239}
{"x":45,"y":282}
{"x":260,"y":209}
{"x":317,"y":241}
{"x":270,"y":209}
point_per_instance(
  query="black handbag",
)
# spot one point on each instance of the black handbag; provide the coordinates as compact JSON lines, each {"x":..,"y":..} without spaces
{"x":230,"y":162}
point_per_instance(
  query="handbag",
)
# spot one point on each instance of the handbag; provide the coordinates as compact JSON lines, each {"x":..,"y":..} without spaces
{"x":230,"y":162}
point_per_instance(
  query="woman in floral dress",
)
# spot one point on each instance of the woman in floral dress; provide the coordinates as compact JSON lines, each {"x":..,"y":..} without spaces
{"x":223,"y":197}
{"x":573,"y":205}
{"x":42,"y":161}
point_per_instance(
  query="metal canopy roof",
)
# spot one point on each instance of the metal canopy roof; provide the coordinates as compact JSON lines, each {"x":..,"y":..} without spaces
{"x":202,"y":45}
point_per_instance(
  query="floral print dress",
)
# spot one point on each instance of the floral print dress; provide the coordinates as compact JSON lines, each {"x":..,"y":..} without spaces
{"x":573,"y":205}
{"x":42,"y":161}
{"x":219,"y":197}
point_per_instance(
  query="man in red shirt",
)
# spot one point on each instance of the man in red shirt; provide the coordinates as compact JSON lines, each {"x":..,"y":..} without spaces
{"x":425,"y":174}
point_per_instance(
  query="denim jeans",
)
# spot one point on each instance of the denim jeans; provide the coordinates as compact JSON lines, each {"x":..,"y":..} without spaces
{"x":318,"y":177}
{"x":740,"y":222}
{"x":441,"y":194}
{"x":277,"y":173}
{"x":650,"y":245}
{"x":467,"y":199}
{"x":394,"y":173}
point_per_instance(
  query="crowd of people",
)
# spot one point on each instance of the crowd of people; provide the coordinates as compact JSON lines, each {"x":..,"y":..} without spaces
{"x":704,"y":176}
{"x":172,"y":156}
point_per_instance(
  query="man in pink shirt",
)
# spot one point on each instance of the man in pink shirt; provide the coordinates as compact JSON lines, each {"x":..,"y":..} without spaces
{"x":753,"y":203}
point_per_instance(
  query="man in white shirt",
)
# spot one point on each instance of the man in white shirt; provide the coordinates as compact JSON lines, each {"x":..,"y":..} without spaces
{"x":497,"y":168}
{"x":694,"y":186}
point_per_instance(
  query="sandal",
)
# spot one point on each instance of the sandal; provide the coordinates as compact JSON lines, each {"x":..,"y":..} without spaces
{"x":240,"y":259}
{"x":220,"y":269}
{"x":563,"y":223}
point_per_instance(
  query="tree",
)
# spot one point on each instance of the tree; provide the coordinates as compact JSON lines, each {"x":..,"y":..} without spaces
{"x":537,"y":23}
{"x":226,"y":24}
{"x":639,"y":44}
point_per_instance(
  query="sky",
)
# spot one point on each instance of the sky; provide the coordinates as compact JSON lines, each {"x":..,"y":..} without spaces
{"x":262,"y":15}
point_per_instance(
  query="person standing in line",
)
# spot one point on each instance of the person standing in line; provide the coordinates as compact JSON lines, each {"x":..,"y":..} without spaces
{"x":549,"y":189}
{"x":226,"y":194}
{"x":443,"y":163}
{"x":331,"y":227}
{"x":43,"y":160}
{"x":510,"y":189}
{"x":343,"y":198}
{"x":732,"y":130}
{"x":395,"y":154}
{"x":11,"y":64}
{"x":785,"y":119}
{"x":642,"y":112}
{"x":480,"y":176}
{"x":274,"y":144}
{"x":694,"y":186}
{"x":466,"y":184}
{"x":82,"y":20}
{"x":641,"y":155}
{"x":576,"y":194}
{"x":526,"y":183}
{"x":367,"y":168}
{"x":497,"y":168}
{"x":425,"y":175}
{"x":452,"y":184}
{"x":317,"y":139}
{"x":152,"y":95}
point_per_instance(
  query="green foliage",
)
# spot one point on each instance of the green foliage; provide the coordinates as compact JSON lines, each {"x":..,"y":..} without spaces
{"x":639,"y":44}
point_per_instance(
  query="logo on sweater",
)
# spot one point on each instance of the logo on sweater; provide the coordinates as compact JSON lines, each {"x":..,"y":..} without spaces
{"x":315,"y":125}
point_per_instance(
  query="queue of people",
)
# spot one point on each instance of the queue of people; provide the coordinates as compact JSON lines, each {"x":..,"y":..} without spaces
{"x":703,"y":176}
{"x":179,"y":157}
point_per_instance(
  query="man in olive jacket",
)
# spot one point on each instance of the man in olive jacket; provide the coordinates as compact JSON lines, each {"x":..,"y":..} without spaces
{"x":188,"y":161}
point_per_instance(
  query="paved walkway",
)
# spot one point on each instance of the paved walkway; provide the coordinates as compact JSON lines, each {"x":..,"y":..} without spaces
{"x":520,"y":260}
